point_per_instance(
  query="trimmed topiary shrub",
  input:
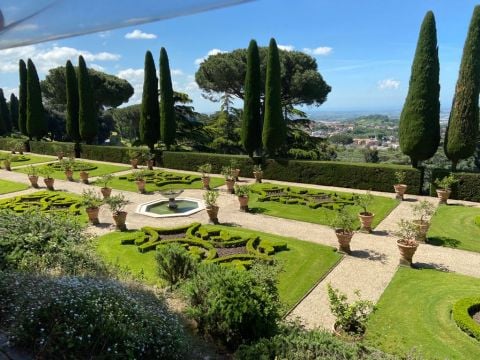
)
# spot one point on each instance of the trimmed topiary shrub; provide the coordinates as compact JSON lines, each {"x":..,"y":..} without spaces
{"x":86,"y":318}
{"x":43,"y":201}
{"x":467,"y":188}
{"x":75,"y":166}
{"x":462,"y":314}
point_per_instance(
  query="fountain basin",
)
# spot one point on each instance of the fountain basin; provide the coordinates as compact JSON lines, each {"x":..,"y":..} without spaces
{"x":161,"y":209}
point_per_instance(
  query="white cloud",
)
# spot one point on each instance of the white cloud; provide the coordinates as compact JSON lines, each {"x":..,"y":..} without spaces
{"x":138,"y":34}
{"x":97,"y":67}
{"x":176,"y":72}
{"x":388,"y":84}
{"x":321,"y":50}
{"x":135,"y":78}
{"x":286,"y":47}
{"x":211,"y":52}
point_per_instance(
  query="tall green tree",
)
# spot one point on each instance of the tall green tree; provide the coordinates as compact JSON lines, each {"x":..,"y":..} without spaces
{"x":462,"y":129}
{"x":150,"y":112}
{"x":14,"y":111}
{"x":419,"y":128}
{"x":167,"y":104}
{"x":252,"y":118}
{"x":6,"y":125}
{"x":274,"y":126}
{"x":36,"y":121}
{"x":87,"y":119}
{"x":71,"y":85}
{"x":22,"y":94}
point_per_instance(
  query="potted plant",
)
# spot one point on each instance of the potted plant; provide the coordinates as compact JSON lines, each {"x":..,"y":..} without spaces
{"x":365,"y":216}
{"x":235,"y":169}
{"x":351,"y":318}
{"x":258,"y":173}
{"x":229,"y":180}
{"x":84,"y":176}
{"x":242,"y":192}
{"x":117,"y":203}
{"x":33,"y":176}
{"x":105,"y":180}
{"x":47,"y":172}
{"x":7,"y":162}
{"x":139,"y":177}
{"x":400,"y":186}
{"x":343,"y":224}
{"x":134,"y":158}
{"x":150,"y":161}
{"x":210,"y":197}
{"x":67,"y":166}
{"x":205,"y":169}
{"x":444,"y":186}
{"x":423,"y":210}
{"x":407,"y":233}
{"x":19,"y":147}
{"x":92,"y":202}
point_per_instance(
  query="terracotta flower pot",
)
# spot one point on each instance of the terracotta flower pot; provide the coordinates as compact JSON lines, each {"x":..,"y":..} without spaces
{"x":243,"y":200}
{"x":206,"y":182}
{"x":400,"y":190}
{"x":230,"y":184}
{"x":258,"y":176}
{"x":7,"y":165}
{"x":350,"y":337}
{"x":366,"y":221}
{"x":69,"y":175}
{"x":93,"y":215}
{"x":235,"y":173}
{"x":134,"y":163}
{"x":150,"y":164}
{"x":60,"y":156}
{"x":422,"y":230}
{"x":49,"y":183}
{"x":212,"y":212}
{"x":120,"y":218}
{"x":33,"y":180}
{"x":406,"y":252}
{"x":344,"y":238}
{"x":106,"y":191}
{"x":140,"y":186}
{"x":84,"y":177}
{"x":443,"y":195}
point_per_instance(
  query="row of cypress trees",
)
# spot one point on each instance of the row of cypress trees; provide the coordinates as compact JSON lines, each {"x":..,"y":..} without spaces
{"x":157,"y":120}
{"x":419,"y":128}
{"x":8,"y":116}
{"x":272,"y":132}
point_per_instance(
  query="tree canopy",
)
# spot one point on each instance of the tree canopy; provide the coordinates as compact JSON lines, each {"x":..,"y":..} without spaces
{"x":22,"y":97}
{"x":301,"y":82}
{"x":13,"y":107}
{"x":72,"y":102}
{"x":149,"y":126}
{"x":36,"y":122}
{"x":109,"y":90}
{"x":87,"y":120}
{"x":167,"y":102}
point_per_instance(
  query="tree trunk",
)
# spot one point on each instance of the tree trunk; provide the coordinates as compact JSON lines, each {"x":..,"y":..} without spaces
{"x":454,"y":165}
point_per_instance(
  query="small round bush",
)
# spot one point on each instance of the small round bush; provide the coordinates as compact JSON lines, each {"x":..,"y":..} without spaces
{"x":84,"y":318}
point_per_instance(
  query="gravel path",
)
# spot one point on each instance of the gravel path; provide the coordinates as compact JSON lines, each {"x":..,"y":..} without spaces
{"x":369,"y":268}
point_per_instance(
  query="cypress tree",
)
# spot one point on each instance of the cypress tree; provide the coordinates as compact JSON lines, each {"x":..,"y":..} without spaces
{"x":22,"y":94}
{"x":462,"y":129}
{"x":167,"y":105}
{"x":6,"y":125}
{"x":71,"y":86}
{"x":252,"y":121}
{"x":274,"y":127}
{"x":150,"y":116}
{"x":419,"y":128}
{"x":87,"y":120}
{"x":14,"y":111}
{"x":36,"y":122}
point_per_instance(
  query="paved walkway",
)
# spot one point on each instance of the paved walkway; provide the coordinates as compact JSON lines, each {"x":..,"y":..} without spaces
{"x":369,"y":268}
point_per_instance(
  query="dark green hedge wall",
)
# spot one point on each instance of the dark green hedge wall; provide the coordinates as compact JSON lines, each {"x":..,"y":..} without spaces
{"x":117,"y":154}
{"x":467,"y":188}
{"x":52,"y":148}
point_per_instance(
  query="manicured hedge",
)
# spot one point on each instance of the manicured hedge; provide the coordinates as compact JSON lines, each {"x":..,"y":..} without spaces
{"x":52,"y":147}
{"x":462,"y":314}
{"x":10,"y":144}
{"x":467,"y":188}
{"x":116,"y":154}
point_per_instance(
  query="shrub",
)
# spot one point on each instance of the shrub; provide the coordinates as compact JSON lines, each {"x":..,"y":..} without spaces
{"x":51,"y":148}
{"x":234,"y":306}
{"x":466,"y":188}
{"x":85,"y":318}
{"x":174,"y":263}
{"x":462,"y":314}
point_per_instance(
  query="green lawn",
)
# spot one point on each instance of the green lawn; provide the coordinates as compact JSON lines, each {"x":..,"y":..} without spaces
{"x":381,"y":207}
{"x":32,"y":159}
{"x":122,"y":184}
{"x":101,"y":169}
{"x":454,"y":226}
{"x":10,"y":186}
{"x":414,"y":312}
{"x":303,"y":264}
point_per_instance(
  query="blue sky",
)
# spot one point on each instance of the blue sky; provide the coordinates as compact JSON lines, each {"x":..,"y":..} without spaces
{"x":364,"y":49}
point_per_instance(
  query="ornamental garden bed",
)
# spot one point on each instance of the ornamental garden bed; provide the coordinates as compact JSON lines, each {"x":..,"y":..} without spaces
{"x":303,"y":263}
{"x":311,"y":205}
{"x":160,"y":180}
{"x":10,"y":186}
{"x":26,"y":159}
{"x":456,"y":226}
{"x":415,"y":311}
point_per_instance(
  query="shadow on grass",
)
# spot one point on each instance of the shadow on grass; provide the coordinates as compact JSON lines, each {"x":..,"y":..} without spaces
{"x":439,"y":267}
{"x":369,"y":255}
{"x":443,"y":241}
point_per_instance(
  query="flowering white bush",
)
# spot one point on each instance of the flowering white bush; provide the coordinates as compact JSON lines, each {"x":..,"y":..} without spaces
{"x":80,"y":318}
